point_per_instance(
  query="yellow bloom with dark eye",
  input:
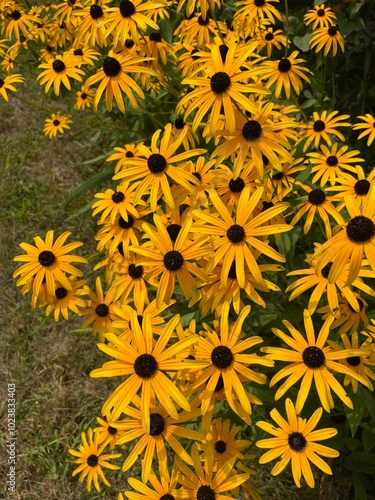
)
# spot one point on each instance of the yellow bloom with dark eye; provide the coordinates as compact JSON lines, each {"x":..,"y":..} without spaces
{"x":64,"y":299}
{"x":353,"y":242}
{"x":199,"y":31}
{"x":368,"y":128}
{"x":90,"y":460}
{"x":58,"y":123}
{"x":122,"y":155}
{"x":311,"y":360}
{"x":295,"y":441}
{"x":286,"y":73}
{"x":6,"y":84}
{"x":161,"y":488}
{"x":203,"y":6}
{"x":130,"y":17}
{"x":108,"y":434}
{"x":100,"y":311}
{"x":91,"y":29}
{"x":64,"y":10}
{"x":349,"y":319}
{"x":111,"y":203}
{"x":357,"y":364}
{"x":16,"y":20}
{"x":114,"y":79}
{"x":235,"y":236}
{"x":322,"y":286}
{"x":156,"y":168}
{"x":329,"y":38}
{"x":170,"y":255}
{"x":58,"y":70}
{"x":223,"y":355}
{"x":147,"y":366}
{"x":258,"y":135}
{"x":317,"y":203}
{"x":320,"y":16}
{"x":269,"y":38}
{"x":85,"y":98}
{"x":357,"y":187}
{"x":257,"y":11}
{"x":322,"y":126}
{"x":328,"y":165}
{"x":48,"y":261}
{"x":163,"y":431}
{"x":203,"y":482}
{"x":222,"y":86}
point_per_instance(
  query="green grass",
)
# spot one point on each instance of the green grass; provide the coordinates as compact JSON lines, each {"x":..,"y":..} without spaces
{"x":50,"y":362}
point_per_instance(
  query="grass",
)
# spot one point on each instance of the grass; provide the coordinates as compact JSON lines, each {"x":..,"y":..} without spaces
{"x":50,"y":362}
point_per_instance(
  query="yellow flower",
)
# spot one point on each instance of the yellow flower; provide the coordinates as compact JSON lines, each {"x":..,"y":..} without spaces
{"x":56,"y":124}
{"x":58,"y":70}
{"x":320,"y":16}
{"x":329,"y":38}
{"x":368,"y":128}
{"x":295,"y":441}
{"x":6,"y":84}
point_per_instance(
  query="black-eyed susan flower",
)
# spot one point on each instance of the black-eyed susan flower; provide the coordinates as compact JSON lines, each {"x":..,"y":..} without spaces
{"x":295,"y":441}
{"x":311,"y":360}
{"x":129,"y":18}
{"x":222,"y":86}
{"x":199,"y":31}
{"x":356,"y":186}
{"x":65,"y":300}
{"x":225,"y":443}
{"x":111,"y":203}
{"x":258,"y":135}
{"x":286,"y":73}
{"x":107,"y":433}
{"x":257,"y":10}
{"x":358,"y":364}
{"x":222,"y":353}
{"x":353,"y":242}
{"x":322,"y":286}
{"x":349,"y":320}
{"x":90,"y":460}
{"x":162,"y":434}
{"x":368,"y":127}
{"x":6,"y":83}
{"x":57,"y":124}
{"x":58,"y":70}
{"x":203,"y":6}
{"x":85,"y":98}
{"x":16,"y":22}
{"x":321,"y":16}
{"x":328,"y":164}
{"x":130,"y":282}
{"x":64,"y":10}
{"x":91,"y":27}
{"x":155,"y":168}
{"x":147,"y":366}
{"x":100,"y":311}
{"x":328,"y":38}
{"x":203,"y":483}
{"x":115,"y":81}
{"x":235,"y":236}
{"x":317,"y":203}
{"x":269,"y":38}
{"x":84,"y":55}
{"x":170,"y":256}
{"x":322,"y":127}
{"x":48,"y":261}
{"x":123,"y":154}
{"x":162,"y":489}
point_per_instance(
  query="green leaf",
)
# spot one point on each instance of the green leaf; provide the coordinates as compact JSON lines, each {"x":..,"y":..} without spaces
{"x":304,"y":174}
{"x":360,"y":461}
{"x":302,"y":42}
{"x":359,"y":488}
{"x":368,"y":440}
{"x":354,"y":416}
{"x":370,"y":405}
{"x":95,"y":160}
{"x":90,"y":184}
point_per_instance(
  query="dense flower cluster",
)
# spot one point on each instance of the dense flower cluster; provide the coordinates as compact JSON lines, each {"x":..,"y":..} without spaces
{"x":192,"y":236}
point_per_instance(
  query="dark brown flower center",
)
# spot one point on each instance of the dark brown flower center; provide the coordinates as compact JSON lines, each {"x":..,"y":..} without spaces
{"x":220,"y":446}
{"x":326,"y":269}
{"x":360,"y":229}
{"x":15,"y":15}
{"x":313,"y":357}
{"x":157,"y":424}
{"x":111,"y":66}
{"x":179,"y":124}
{"x":78,"y":52}
{"x":155,"y":37}
{"x":129,"y":44}
{"x":252,"y":130}
{"x":111,"y":430}
{"x":61,"y":293}
{"x":222,"y":357}
{"x":203,"y":22}
{"x":167,"y":496}
{"x":46,"y":258}
{"x":284,"y":65}
{"x":259,"y":3}
{"x":118,"y":197}
{"x":236,"y":233}
{"x":236,"y":185}
{"x":126,"y":224}
{"x":156,"y":163}
{"x":320,"y":12}
{"x":332,"y":161}
{"x":319,"y":126}
{"x":354,"y":360}
{"x":269,"y":36}
{"x":205,"y":493}
{"x":135,"y":272}
{"x":317,"y":197}
{"x":297,"y":441}
{"x":56,"y":123}
{"x":220,"y":82}
{"x":145,"y":365}
{"x":332,"y":30}
{"x":92,"y":460}
{"x":362,"y":187}
{"x":58,"y":66}
{"x":127,"y":8}
{"x":102,"y":310}
{"x":173,"y":260}
{"x":96,"y":11}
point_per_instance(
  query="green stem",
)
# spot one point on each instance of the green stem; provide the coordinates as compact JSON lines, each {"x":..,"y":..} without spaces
{"x":286,"y":26}
{"x":212,"y":12}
